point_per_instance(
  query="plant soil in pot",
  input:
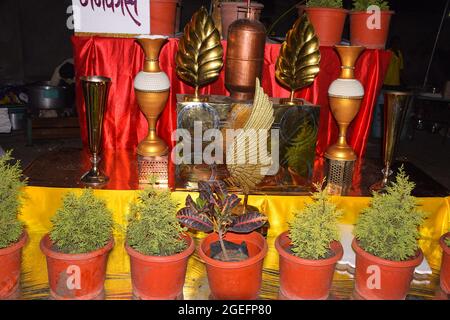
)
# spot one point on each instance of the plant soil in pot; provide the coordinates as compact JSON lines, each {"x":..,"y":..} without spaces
{"x":328,"y":24}
{"x":162,"y":17}
{"x":77,"y":247}
{"x":385,"y":243}
{"x":394,"y":276}
{"x":445,"y":265}
{"x":13,"y":237}
{"x":236,"y":272}
{"x":158,"y":247}
{"x":365,"y":29}
{"x":309,"y":251}
{"x":10,"y":261}
{"x":235,"y":280}
{"x":75,"y":276}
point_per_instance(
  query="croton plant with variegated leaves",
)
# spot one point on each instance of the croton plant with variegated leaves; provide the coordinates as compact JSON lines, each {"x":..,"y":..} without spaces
{"x":212,"y":211}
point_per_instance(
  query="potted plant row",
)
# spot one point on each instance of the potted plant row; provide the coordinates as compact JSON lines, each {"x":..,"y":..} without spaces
{"x":13,"y":236}
{"x":367,"y":28}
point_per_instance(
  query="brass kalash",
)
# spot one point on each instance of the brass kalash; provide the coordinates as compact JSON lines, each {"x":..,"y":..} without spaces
{"x":345,"y":96}
{"x":152,"y":87}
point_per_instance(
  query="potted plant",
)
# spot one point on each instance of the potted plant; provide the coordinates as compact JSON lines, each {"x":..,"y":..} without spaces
{"x":328,"y":18}
{"x":445,"y":265}
{"x":158,"y":246}
{"x":310,"y":250}
{"x":13,"y":236}
{"x":385,"y":243}
{"x":163,"y":15}
{"x":77,"y":247}
{"x":233,"y":10}
{"x":366,"y":29}
{"x":234,"y":259}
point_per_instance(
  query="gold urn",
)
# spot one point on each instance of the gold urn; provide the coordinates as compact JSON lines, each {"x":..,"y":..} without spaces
{"x":345,"y":96}
{"x":152,"y":87}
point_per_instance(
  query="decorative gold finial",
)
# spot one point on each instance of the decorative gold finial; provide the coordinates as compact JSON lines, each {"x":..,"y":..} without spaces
{"x":298,"y":63}
{"x":200,"y":53}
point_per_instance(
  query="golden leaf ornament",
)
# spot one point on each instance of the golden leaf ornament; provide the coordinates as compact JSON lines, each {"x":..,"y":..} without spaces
{"x":247,"y":175}
{"x":298,"y":62}
{"x":199,"y":58}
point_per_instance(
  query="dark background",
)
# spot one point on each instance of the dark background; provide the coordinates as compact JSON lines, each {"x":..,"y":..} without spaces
{"x":34,"y":38}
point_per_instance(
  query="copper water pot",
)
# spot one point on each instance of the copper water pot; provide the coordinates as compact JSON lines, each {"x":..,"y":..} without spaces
{"x":244,"y":58}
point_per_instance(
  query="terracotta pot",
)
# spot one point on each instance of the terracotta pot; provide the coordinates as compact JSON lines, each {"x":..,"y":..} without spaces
{"x":10,"y":261}
{"x":162,"y":16}
{"x":232,"y":11}
{"x":361,"y":35}
{"x":304,"y":279}
{"x":235,"y":280}
{"x":159,"y":277}
{"x":445,"y":265}
{"x":75,"y":276}
{"x":328,"y":24}
{"x":394,"y":276}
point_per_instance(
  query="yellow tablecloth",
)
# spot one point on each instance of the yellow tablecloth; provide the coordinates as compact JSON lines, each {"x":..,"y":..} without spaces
{"x":41,"y":204}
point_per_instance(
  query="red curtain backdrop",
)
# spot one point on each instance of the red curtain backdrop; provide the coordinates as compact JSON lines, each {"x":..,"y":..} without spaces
{"x":124,"y":126}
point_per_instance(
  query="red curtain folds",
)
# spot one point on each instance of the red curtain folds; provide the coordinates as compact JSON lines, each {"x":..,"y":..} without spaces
{"x":124,"y":125}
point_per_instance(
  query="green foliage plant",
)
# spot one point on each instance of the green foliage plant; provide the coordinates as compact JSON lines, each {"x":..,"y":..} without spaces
{"x":300,"y":155}
{"x":82,"y":224}
{"x":153,"y":228}
{"x":324,"y":4}
{"x":315,"y":227}
{"x":389,"y":227}
{"x":447,"y":241}
{"x":11,"y":228}
{"x":362,"y":5}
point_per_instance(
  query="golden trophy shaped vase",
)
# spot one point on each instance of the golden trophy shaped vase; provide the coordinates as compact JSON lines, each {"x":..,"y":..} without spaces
{"x":345,"y":95}
{"x":95,"y":92}
{"x":152,"y":88}
{"x":396,"y":104}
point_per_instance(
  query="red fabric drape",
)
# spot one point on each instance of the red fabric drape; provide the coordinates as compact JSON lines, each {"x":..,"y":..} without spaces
{"x":121,"y":59}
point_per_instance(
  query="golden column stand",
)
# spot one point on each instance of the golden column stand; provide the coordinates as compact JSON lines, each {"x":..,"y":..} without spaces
{"x":95,"y":92}
{"x":345,"y":95}
{"x":152,"y":87}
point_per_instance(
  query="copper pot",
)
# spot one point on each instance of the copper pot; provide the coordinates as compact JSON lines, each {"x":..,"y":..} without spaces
{"x":245,"y":57}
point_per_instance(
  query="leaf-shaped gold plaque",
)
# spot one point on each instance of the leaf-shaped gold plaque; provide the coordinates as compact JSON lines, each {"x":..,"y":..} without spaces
{"x":298,"y":62}
{"x":200,"y":53}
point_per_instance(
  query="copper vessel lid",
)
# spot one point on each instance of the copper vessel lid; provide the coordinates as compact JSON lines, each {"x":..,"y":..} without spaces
{"x":247,"y":25}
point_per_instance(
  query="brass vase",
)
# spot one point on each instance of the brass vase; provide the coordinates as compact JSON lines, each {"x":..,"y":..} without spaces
{"x":152,"y":88}
{"x":95,"y":92}
{"x":345,"y":96}
{"x":395,"y":106}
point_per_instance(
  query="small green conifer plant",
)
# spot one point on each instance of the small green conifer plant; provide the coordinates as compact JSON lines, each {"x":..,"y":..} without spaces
{"x":153,"y":228}
{"x":389,"y":227}
{"x":362,"y":5}
{"x":315,"y":227}
{"x":82,"y":224}
{"x":324,"y":3}
{"x":11,"y":184}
